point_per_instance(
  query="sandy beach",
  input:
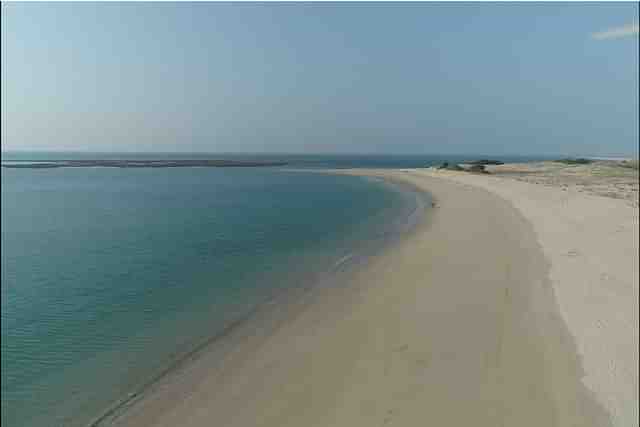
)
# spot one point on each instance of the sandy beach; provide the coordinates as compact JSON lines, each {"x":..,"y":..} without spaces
{"x":586,"y":220}
{"x":511,"y":304}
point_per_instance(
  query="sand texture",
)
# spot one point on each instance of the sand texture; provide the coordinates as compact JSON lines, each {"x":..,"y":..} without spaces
{"x":616,"y":179}
{"x":591,"y":241}
{"x":513,"y":304}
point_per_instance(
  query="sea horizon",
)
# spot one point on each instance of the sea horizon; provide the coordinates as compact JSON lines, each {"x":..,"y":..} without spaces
{"x":293,"y":160}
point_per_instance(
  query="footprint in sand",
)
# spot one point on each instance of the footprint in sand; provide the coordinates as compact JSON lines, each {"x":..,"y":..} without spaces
{"x":401,"y":348}
{"x":388,"y":418}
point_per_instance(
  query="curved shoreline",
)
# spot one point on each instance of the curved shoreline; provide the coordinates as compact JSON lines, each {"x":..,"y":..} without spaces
{"x":266,"y":316}
{"x":457,"y":324}
{"x":591,"y":243}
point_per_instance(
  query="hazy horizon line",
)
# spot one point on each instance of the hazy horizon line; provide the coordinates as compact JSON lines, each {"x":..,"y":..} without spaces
{"x":296,"y":153}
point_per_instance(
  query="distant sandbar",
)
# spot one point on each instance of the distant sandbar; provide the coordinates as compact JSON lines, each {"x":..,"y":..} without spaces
{"x":141,"y":164}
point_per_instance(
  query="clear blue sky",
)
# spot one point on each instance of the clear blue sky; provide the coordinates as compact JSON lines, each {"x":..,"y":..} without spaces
{"x":369,"y":78}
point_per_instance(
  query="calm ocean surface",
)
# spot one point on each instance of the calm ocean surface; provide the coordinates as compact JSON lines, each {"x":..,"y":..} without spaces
{"x":110,"y":275}
{"x":294,"y":160}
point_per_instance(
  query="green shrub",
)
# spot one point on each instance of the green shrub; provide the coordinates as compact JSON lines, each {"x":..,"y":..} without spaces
{"x":578,"y":161}
{"x":631,"y":164}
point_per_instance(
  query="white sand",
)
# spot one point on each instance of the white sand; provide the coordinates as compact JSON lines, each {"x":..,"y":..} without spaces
{"x":592,"y":245}
{"x":464,"y":323}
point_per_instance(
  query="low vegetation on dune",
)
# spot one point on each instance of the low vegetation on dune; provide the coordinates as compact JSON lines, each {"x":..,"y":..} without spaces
{"x":631,"y":164}
{"x":578,"y":161}
{"x":450,"y":166}
{"x":484,"y":162}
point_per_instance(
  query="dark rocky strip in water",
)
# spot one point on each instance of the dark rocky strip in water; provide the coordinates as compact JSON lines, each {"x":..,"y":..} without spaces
{"x":142,"y":164}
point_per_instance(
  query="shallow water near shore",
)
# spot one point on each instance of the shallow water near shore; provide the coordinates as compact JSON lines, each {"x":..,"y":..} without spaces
{"x":111,"y":276}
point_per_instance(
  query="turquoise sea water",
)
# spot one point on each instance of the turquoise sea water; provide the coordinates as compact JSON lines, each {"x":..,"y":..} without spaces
{"x":110,"y":275}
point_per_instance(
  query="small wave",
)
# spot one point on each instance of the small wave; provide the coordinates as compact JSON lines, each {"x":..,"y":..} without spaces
{"x":342,"y":260}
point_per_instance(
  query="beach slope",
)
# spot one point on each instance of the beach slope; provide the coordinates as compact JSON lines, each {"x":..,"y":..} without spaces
{"x":586,"y":220}
{"x":458,"y":324}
